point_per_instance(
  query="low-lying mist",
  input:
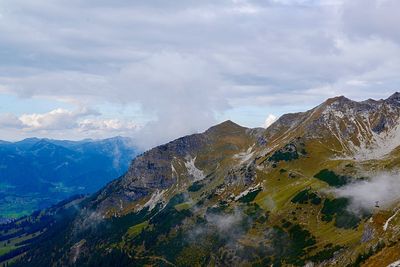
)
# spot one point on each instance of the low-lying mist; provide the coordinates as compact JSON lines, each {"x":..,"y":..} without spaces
{"x":382,"y":189}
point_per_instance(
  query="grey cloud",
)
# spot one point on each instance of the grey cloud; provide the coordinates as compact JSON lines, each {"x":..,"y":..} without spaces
{"x":372,"y":19}
{"x":186,"y":61}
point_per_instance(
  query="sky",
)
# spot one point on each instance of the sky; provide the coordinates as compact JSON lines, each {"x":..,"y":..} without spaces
{"x":157,"y":70}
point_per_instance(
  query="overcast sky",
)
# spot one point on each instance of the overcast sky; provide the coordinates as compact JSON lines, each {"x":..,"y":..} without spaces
{"x":159,"y":69}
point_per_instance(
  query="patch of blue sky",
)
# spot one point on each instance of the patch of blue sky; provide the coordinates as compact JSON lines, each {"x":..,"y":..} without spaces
{"x":16,"y":105}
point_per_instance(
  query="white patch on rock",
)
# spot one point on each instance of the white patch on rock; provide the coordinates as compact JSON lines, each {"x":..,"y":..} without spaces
{"x":260,"y":167}
{"x":386,"y":225}
{"x":173,"y":170}
{"x":394,"y":264}
{"x":76,"y":250}
{"x":248,"y":190}
{"x":381,"y":145}
{"x":370,"y":145}
{"x":193,"y":171}
{"x":244,"y":156}
{"x":219,"y":191}
{"x":155,"y":198}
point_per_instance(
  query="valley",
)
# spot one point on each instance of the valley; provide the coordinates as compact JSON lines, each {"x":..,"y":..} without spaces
{"x":36,"y":173}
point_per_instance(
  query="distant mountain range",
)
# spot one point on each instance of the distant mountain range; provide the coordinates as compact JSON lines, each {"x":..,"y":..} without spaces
{"x":316,"y":188}
{"x":35,"y":173}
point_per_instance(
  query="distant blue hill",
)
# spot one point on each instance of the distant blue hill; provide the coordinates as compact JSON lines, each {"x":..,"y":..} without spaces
{"x":36,"y":173}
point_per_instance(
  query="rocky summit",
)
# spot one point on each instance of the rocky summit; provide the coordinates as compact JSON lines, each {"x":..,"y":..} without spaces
{"x":316,"y":188}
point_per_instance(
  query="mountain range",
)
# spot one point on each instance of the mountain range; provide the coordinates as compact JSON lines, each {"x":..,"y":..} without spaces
{"x":35,"y":173}
{"x":316,"y":188}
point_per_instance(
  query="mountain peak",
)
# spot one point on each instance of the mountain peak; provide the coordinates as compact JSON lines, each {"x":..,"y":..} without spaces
{"x":228,"y":123}
{"x":30,"y":140}
{"x":337,"y":99}
{"x":395,"y":95}
{"x":395,"y":98}
{"x":227,"y":126}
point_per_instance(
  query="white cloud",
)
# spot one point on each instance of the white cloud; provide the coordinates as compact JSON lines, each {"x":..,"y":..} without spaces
{"x":58,"y":119}
{"x":269,"y":120}
{"x":383,"y":188}
{"x":106,"y":125}
{"x":74,"y":124}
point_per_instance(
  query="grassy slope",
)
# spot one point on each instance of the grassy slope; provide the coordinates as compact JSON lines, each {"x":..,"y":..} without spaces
{"x":278,"y":189}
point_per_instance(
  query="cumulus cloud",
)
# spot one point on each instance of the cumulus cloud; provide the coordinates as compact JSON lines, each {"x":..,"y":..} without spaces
{"x":383,"y":188}
{"x":58,"y":119}
{"x":176,"y":89}
{"x":82,"y":120}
